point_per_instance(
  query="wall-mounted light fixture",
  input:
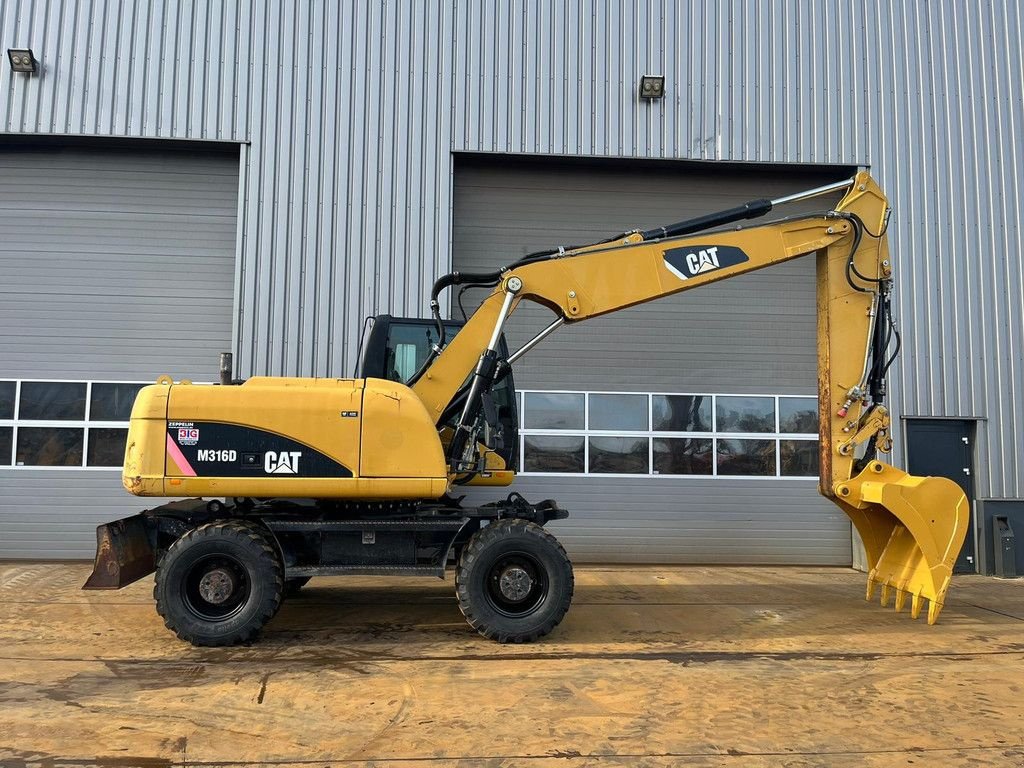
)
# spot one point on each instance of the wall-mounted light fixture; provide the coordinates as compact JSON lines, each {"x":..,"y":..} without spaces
{"x":22,"y":60}
{"x":652,"y":86}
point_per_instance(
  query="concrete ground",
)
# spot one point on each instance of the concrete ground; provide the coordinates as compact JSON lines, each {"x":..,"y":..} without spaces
{"x":659,"y":666}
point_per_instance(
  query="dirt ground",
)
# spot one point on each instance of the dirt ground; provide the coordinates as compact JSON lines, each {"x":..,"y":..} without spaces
{"x":659,"y":666}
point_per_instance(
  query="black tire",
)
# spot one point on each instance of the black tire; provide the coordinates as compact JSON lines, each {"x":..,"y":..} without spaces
{"x":293,"y":586}
{"x":514,"y":581}
{"x":219,"y":584}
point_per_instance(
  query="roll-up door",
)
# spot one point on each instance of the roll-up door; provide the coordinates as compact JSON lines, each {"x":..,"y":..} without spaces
{"x":117,"y":264}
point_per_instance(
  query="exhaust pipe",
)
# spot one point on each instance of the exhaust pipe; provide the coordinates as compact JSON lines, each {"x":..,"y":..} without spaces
{"x":226,"y":373}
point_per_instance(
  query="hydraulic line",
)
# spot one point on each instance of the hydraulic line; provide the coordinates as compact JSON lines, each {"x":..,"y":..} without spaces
{"x":483,"y":378}
{"x":446,"y":281}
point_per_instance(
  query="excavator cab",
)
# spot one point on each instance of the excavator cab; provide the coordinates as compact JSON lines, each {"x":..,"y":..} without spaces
{"x":394,"y":348}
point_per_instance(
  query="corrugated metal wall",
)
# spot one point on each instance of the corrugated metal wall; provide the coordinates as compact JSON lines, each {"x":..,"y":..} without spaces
{"x":353,"y":114}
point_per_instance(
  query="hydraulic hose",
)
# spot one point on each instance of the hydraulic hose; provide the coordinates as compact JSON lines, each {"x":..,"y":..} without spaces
{"x":443,"y":282}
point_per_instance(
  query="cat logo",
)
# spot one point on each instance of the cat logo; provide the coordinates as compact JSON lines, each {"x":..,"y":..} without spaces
{"x":702,"y":261}
{"x":283,"y":463}
{"x":686,"y":263}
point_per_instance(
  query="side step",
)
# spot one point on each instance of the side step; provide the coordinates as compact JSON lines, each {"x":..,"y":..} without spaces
{"x":278,"y":525}
{"x":364,"y":570}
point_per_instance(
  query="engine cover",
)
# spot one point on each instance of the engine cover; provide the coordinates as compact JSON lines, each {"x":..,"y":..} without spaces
{"x":284,"y":437}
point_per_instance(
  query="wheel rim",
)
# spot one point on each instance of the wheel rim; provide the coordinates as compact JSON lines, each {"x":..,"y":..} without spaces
{"x":216,"y":587}
{"x":517,"y":584}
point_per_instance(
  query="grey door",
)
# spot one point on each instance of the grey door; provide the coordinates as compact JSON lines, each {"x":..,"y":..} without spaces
{"x":694,"y":460}
{"x":117,"y":265}
{"x":942,"y":448}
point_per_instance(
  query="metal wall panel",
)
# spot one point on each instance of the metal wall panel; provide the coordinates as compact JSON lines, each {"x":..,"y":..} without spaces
{"x":353,"y":111}
{"x":52,"y":514}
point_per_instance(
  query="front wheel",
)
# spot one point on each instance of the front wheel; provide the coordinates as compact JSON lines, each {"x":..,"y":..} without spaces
{"x":514,"y":581}
{"x":219,"y":584}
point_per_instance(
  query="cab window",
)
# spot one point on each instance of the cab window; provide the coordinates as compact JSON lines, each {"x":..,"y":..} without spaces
{"x":407,"y":349}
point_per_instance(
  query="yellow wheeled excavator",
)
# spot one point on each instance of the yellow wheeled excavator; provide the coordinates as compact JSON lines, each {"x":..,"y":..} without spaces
{"x":283,"y":479}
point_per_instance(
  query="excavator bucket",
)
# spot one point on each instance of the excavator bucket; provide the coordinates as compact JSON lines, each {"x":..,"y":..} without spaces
{"x":123,"y":554}
{"x":912,"y":528}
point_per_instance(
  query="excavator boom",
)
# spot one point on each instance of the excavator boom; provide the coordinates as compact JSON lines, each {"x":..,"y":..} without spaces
{"x":912,"y":527}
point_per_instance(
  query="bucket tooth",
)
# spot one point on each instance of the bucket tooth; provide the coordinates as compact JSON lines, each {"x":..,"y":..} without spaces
{"x":885,"y":594}
{"x":901,"y":598}
{"x":871,"y":586}
{"x":915,"y":605}
{"x":934,"y":609}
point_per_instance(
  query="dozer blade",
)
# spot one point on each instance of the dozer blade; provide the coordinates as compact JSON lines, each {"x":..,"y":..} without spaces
{"x":123,"y":554}
{"x":912,"y":528}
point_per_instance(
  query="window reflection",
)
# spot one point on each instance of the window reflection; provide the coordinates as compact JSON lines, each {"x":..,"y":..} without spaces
{"x":746,"y":457}
{"x":612,"y":455}
{"x":745,"y":414}
{"x":6,"y":438}
{"x":627,"y":413}
{"x":554,"y":410}
{"x":682,"y":456}
{"x":112,"y":402}
{"x":681,"y":413}
{"x":798,"y":415}
{"x":50,"y":446}
{"x":546,"y":453}
{"x":798,"y":458}
{"x":52,"y":401}
{"x":106,"y":447}
{"x":407,"y":349}
{"x":7,"y":390}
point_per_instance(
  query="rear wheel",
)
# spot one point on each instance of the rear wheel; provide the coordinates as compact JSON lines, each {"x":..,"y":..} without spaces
{"x":219,"y":584}
{"x":514,"y":581}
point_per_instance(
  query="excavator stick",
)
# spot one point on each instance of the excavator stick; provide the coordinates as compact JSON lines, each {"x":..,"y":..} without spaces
{"x":912,"y":529}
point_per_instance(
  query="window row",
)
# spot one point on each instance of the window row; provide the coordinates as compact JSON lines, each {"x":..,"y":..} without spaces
{"x":64,"y":423}
{"x":62,"y":446}
{"x":615,"y":412}
{"x":670,"y":455}
{"x":67,"y":400}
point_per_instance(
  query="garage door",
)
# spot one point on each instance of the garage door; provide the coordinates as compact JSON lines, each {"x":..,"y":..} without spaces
{"x":117,"y":265}
{"x":679,"y":431}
